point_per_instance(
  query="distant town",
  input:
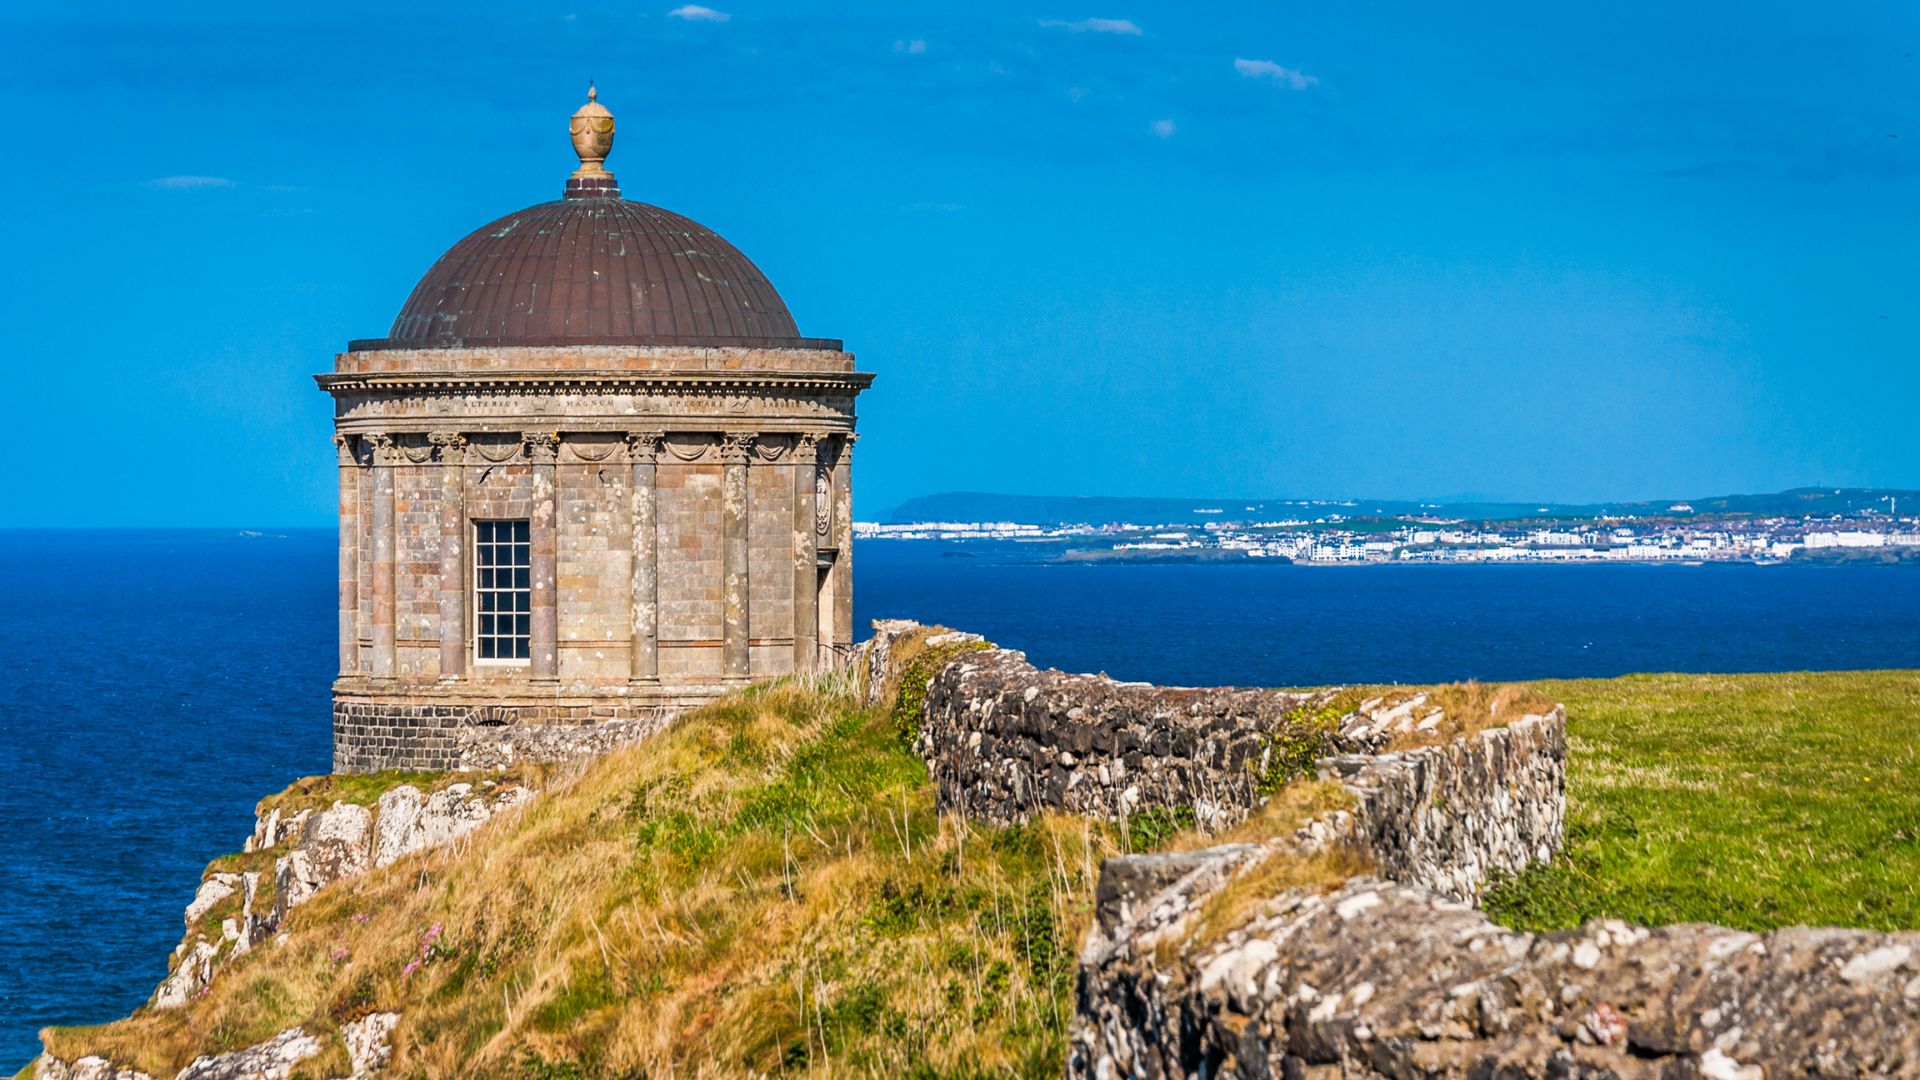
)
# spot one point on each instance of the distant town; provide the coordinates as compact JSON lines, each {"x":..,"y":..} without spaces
{"x":1864,"y":529}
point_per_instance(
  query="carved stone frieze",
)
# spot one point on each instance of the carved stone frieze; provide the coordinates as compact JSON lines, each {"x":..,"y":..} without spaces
{"x":689,"y":447}
{"x":493,"y":450}
{"x":591,"y":449}
{"x":580,"y":407}
{"x":772,"y":448}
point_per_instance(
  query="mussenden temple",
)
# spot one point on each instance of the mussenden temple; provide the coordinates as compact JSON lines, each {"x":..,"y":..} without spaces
{"x":592,"y":475}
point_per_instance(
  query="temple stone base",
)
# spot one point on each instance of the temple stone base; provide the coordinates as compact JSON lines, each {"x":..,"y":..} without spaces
{"x":465,"y":728}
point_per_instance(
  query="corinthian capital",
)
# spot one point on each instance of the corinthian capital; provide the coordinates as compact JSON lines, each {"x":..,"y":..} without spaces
{"x":386,"y":449}
{"x":644,"y":445}
{"x":735,"y":446}
{"x":806,"y":447}
{"x":543,"y":447}
{"x":349,"y":452}
{"x":449,"y":446}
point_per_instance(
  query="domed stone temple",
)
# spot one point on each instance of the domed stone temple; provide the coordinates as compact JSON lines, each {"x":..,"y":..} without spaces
{"x":593,"y":475}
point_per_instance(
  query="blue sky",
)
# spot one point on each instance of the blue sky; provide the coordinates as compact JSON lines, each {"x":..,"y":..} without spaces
{"x":1536,"y":251}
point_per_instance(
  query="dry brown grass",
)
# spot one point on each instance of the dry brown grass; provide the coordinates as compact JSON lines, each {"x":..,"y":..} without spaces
{"x":1470,"y":707}
{"x":765,"y":888}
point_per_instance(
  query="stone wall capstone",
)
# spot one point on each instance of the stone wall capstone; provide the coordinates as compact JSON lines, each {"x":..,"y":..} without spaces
{"x":1383,"y":980}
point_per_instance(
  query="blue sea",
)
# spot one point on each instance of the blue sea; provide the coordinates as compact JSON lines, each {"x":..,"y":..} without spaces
{"x":160,"y":682}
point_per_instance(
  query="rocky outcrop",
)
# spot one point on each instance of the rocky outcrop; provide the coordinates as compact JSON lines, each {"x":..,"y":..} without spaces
{"x":276,"y":1059}
{"x":1385,"y":980}
{"x":333,"y":844}
{"x":337,"y":843}
{"x":48,"y":1067}
{"x":1004,"y":739}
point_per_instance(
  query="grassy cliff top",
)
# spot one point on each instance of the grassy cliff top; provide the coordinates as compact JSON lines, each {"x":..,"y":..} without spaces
{"x":766,"y":888}
{"x":1753,"y":801}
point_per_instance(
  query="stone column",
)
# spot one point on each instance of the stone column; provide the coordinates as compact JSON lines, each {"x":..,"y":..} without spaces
{"x":451,"y":448}
{"x":806,"y":552}
{"x":543,"y":449}
{"x":842,"y":618}
{"x":735,"y":448}
{"x":643,"y":451}
{"x":349,"y":554}
{"x":386,"y":455}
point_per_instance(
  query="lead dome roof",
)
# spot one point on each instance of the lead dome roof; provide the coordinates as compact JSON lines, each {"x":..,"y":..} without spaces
{"x":592,"y":268}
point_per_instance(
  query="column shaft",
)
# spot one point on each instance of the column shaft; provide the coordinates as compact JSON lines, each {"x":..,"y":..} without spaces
{"x":842,"y":618}
{"x":643,"y":448}
{"x":451,"y":448}
{"x":384,"y":588}
{"x":736,"y":662}
{"x":806,"y":552}
{"x":349,"y":554}
{"x":545,"y":629}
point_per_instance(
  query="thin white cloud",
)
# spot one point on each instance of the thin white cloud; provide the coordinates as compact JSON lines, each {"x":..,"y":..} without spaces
{"x":912,"y":48}
{"x":1165,"y":128}
{"x":1291,"y":78}
{"x":191,"y":183}
{"x":1097,"y":26}
{"x":698,"y":13}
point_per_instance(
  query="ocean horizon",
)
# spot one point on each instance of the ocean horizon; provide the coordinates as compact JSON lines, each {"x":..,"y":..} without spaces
{"x":167,"y":679}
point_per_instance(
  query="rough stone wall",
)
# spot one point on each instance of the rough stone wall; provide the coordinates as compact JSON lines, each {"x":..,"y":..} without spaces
{"x":770,"y":566}
{"x":690,"y":578}
{"x":1449,"y":817}
{"x":1004,"y":739}
{"x":1385,"y":980}
{"x":594,"y":518}
{"x":371,"y":735}
{"x":416,"y":524}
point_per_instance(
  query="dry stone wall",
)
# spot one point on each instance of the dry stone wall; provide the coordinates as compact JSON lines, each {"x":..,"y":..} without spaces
{"x":1004,"y":739}
{"x":1384,"y":980}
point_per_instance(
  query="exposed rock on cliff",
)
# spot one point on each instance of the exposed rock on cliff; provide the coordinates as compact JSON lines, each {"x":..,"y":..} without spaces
{"x":323,"y":846}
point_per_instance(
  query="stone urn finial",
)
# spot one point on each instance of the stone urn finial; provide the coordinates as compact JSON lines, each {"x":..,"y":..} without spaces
{"x":592,"y":131}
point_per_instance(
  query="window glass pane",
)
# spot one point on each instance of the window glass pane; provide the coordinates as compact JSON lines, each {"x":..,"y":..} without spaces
{"x":502,"y":589}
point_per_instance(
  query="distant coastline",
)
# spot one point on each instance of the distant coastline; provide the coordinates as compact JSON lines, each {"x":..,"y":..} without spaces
{"x":1856,"y":526}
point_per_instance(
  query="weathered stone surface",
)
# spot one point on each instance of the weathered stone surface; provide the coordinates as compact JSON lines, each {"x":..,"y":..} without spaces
{"x":48,"y":1067}
{"x":366,"y":1040}
{"x":188,"y":977}
{"x":502,"y":746}
{"x":1004,"y":739}
{"x":214,"y":889}
{"x":1449,"y":816}
{"x":872,"y":659}
{"x":1384,"y":980}
{"x":337,"y":843}
{"x":409,"y":821}
{"x":274,"y":1059}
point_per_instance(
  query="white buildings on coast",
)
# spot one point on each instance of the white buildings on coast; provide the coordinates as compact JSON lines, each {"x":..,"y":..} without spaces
{"x":1337,"y":541}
